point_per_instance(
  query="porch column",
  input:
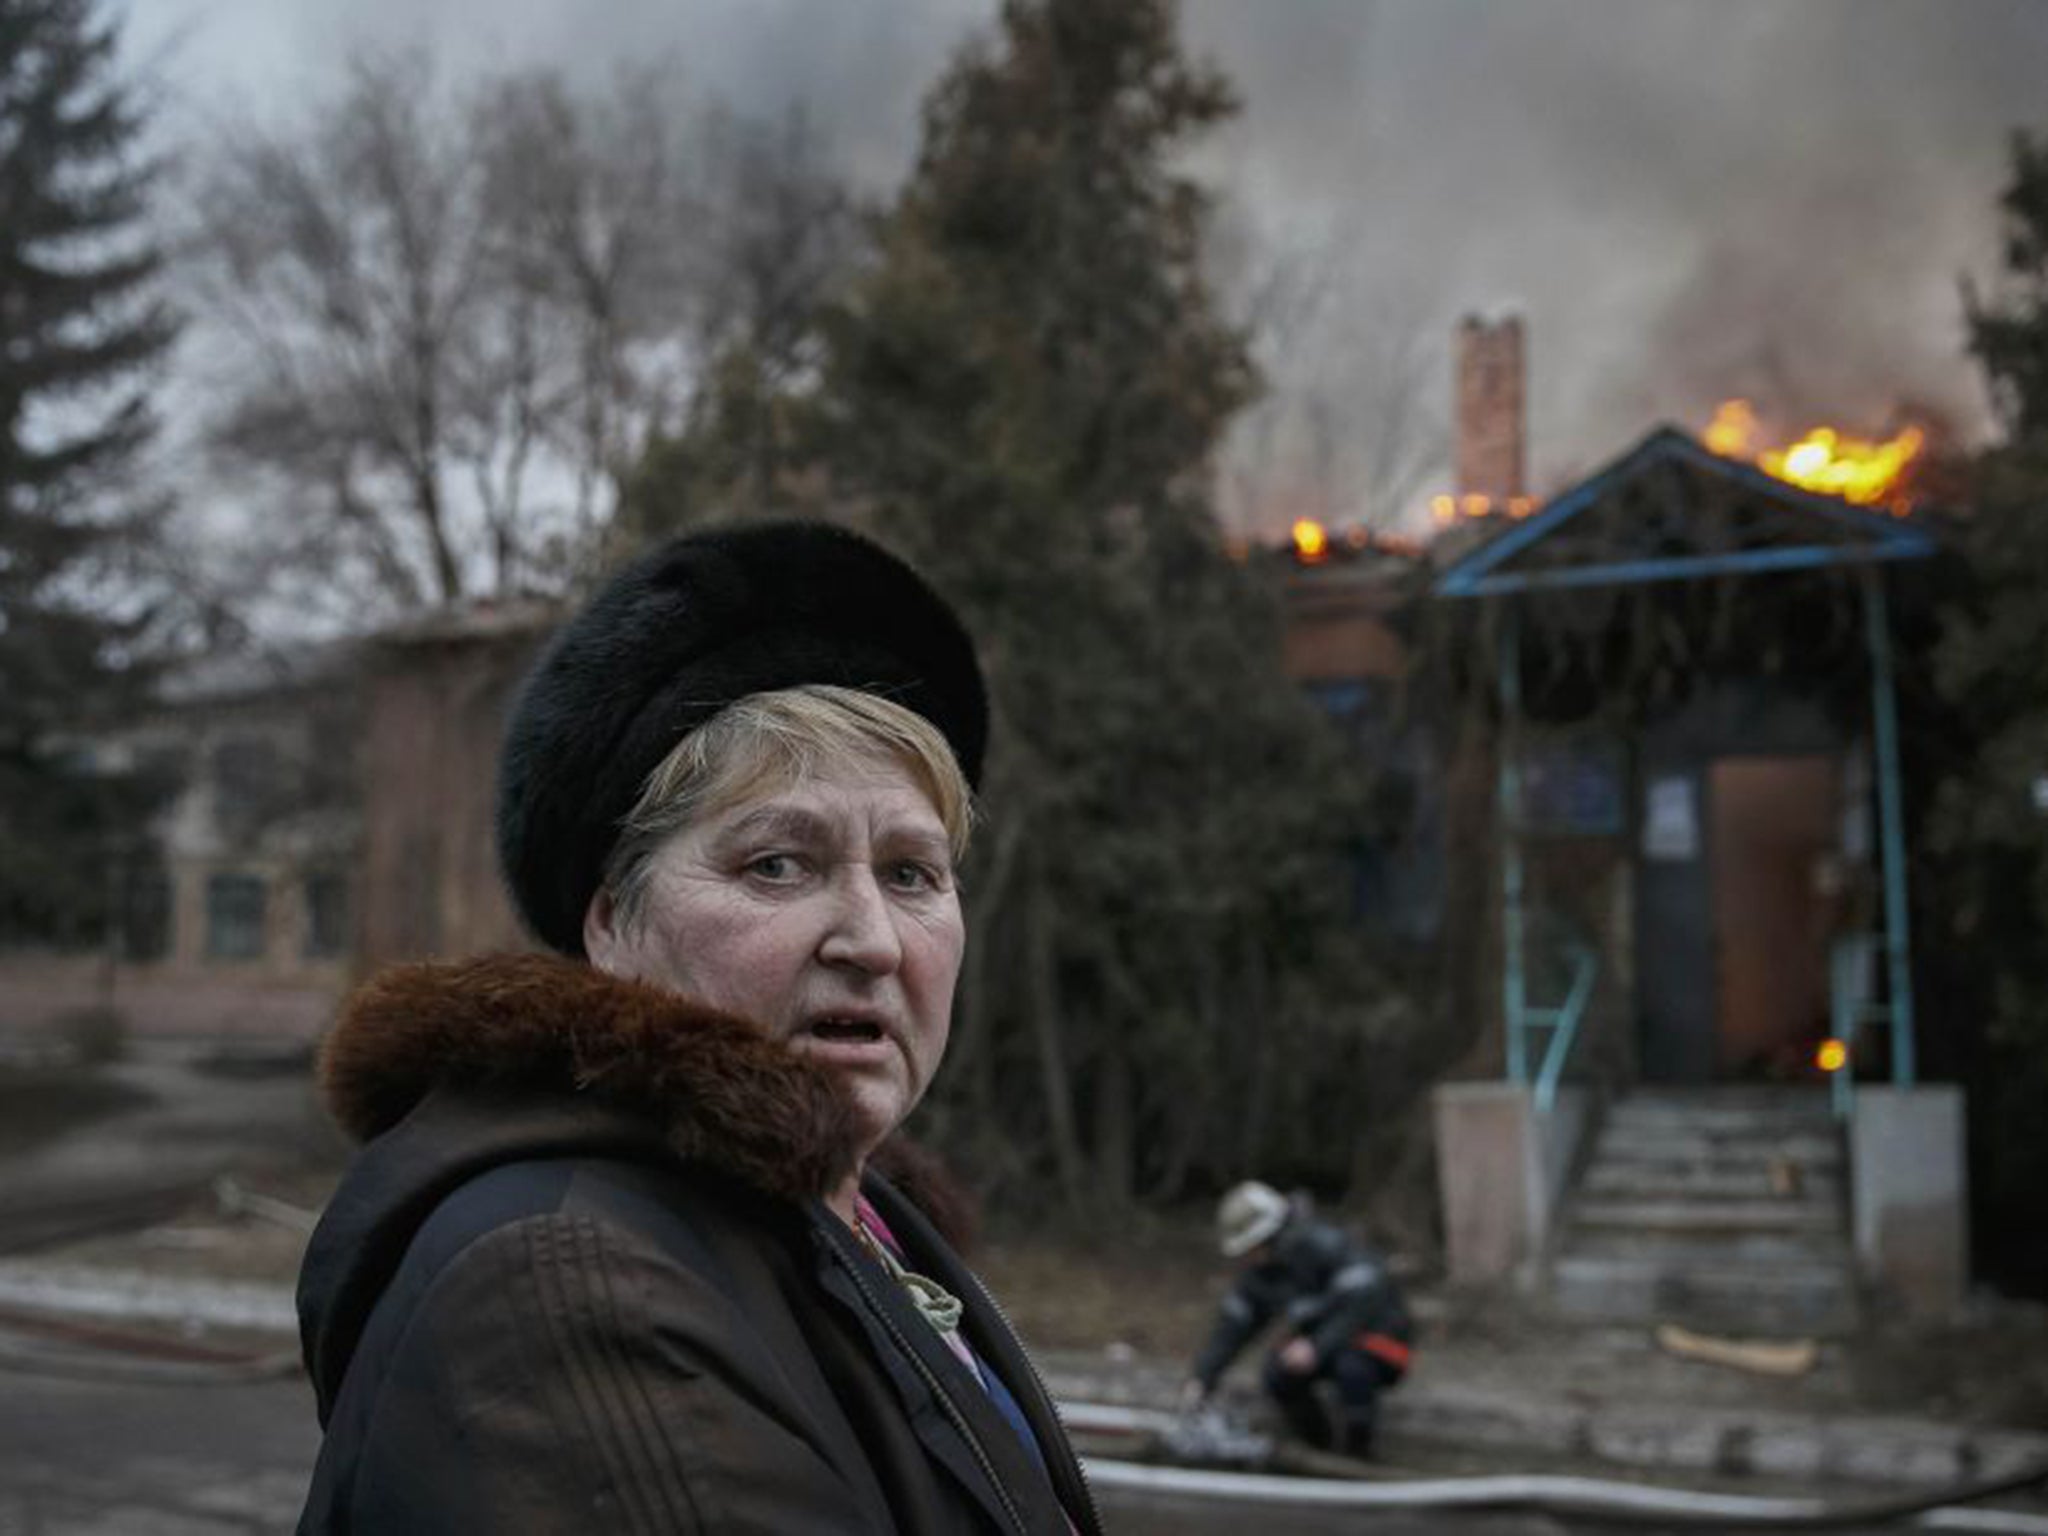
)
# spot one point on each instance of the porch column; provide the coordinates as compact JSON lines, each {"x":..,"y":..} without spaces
{"x":1509,"y":778}
{"x":1891,"y":821}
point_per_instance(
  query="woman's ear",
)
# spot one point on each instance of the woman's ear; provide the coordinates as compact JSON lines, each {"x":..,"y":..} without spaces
{"x":602,"y":941}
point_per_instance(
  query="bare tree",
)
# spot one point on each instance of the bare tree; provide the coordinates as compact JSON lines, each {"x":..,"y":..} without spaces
{"x":784,"y":235}
{"x":439,"y":333}
{"x":1350,"y":424}
{"x":602,"y":227}
{"x":343,"y":272}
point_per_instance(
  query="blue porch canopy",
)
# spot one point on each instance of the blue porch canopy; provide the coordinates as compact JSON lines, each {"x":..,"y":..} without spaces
{"x":1638,"y":520}
{"x":1667,"y":510}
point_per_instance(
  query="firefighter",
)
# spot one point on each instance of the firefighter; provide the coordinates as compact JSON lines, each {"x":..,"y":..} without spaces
{"x":1343,"y":1319}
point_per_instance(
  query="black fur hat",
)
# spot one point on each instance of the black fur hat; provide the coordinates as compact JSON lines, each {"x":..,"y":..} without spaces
{"x":695,"y":624}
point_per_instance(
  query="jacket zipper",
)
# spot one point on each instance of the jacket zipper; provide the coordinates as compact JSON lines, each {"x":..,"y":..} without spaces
{"x":1038,"y":1382}
{"x":938,"y":1390}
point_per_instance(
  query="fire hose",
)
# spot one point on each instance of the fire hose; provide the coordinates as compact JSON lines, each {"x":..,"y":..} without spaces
{"x":37,"y":1339}
{"x":1290,"y":1475}
{"x":49,"y":1345}
{"x":1306,"y":1479}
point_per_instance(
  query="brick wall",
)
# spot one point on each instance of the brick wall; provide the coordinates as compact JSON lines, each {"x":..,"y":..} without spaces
{"x":1490,"y":409}
{"x":434,"y":716}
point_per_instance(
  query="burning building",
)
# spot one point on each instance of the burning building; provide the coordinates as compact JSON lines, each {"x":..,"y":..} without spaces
{"x":1663,"y":707}
{"x":1861,"y":471}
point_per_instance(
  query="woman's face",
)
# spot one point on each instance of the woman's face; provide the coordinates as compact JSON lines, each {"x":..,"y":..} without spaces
{"x":826,"y":912}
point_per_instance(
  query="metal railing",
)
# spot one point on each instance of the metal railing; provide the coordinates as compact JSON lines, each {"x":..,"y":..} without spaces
{"x":1852,"y":1004}
{"x":1562,"y":1022}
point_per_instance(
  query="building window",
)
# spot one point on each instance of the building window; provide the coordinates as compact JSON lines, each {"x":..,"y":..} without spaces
{"x":326,"y":915}
{"x":234,"y":917}
{"x":1574,"y":789}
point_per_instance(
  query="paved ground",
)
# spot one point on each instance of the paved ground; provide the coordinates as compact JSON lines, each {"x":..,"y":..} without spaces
{"x":135,"y":1258}
{"x":80,"y":1458}
{"x":150,"y":1133}
{"x":121,"y":1459}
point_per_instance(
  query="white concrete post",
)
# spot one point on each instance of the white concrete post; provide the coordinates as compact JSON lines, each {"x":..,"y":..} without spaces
{"x":1910,"y":1188}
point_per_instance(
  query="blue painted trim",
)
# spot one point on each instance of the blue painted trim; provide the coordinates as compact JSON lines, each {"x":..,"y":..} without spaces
{"x":1565,"y":1024}
{"x":1629,"y":573}
{"x":1514,"y":987}
{"x":1562,"y":509}
{"x":1844,"y":1020}
{"x":1889,"y":538}
{"x":1892,"y":825}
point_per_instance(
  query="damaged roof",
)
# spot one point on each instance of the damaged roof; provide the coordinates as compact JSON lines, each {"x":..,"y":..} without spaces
{"x":1672,"y":510}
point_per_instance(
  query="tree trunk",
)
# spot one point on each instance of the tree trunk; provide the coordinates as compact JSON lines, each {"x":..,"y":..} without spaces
{"x":427,"y":506}
{"x":973,"y":1052}
{"x":1115,"y":1141}
{"x":1043,"y":1004}
{"x":1258,"y":1090}
{"x":1191,"y":1120}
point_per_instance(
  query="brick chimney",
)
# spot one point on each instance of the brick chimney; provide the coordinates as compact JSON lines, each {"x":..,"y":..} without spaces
{"x":1490,"y":412}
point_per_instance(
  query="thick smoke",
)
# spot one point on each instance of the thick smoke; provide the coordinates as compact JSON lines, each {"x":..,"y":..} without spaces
{"x":1771,"y":198}
{"x":1687,"y":198}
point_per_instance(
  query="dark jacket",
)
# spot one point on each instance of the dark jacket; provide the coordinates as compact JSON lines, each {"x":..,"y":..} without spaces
{"x":580,"y":1279}
{"x":1327,"y":1288}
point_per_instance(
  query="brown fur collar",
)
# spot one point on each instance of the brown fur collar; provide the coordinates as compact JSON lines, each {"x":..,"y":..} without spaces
{"x":723,"y":1092}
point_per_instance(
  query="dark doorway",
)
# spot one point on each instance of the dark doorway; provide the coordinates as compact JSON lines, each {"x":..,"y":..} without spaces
{"x":1772,"y":831}
{"x":1674,"y":929}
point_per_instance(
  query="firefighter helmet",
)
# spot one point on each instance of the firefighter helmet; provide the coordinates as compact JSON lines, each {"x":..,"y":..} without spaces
{"x":1249,"y":1215}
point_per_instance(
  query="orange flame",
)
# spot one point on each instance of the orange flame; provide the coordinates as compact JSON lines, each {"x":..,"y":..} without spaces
{"x":1728,"y":434}
{"x":1856,"y":469}
{"x":1311,"y":540}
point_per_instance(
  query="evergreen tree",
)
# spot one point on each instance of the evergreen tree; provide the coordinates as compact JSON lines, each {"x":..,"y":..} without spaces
{"x":1988,"y":837}
{"x":78,"y":329}
{"x":1024,"y":393}
{"x":2009,"y":330}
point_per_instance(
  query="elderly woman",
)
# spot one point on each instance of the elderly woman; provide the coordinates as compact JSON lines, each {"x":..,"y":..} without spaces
{"x":616,"y":1255}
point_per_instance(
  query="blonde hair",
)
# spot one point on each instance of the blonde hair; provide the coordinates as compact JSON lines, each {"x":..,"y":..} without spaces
{"x":767,"y":742}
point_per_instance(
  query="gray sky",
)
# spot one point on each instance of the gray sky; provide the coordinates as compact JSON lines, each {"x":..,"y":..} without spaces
{"x":1689,"y":199}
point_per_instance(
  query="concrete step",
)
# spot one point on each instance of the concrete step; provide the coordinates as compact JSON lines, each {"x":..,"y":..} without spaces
{"x":1728,"y":1179}
{"x":1798,"y":1100}
{"x":1725,"y":1110}
{"x":1695,"y":1146}
{"x":1707,"y":1152}
{"x":1683,"y":1212}
{"x":1708,"y":1215}
{"x":1782,"y":1297}
{"x":1752,"y":1123}
{"x":1794,"y":1106}
{"x":1705,"y":1245}
{"x":1730,"y":1157}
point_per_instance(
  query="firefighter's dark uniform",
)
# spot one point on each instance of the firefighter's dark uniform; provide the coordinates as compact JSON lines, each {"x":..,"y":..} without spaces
{"x":1335,"y":1293}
